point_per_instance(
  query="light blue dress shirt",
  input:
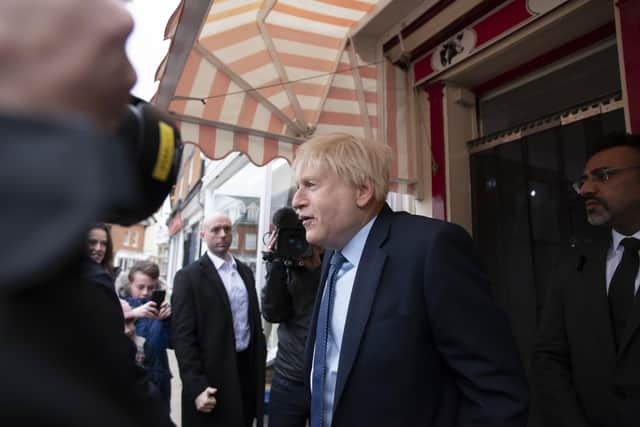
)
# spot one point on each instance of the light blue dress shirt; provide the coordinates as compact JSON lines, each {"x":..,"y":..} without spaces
{"x":238,"y":298}
{"x":342,"y":294}
{"x":614,"y":256}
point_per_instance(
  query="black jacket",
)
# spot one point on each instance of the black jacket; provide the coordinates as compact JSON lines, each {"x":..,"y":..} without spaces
{"x":65,"y":359}
{"x":581,"y":379}
{"x":204,"y":341}
{"x":287,"y":299}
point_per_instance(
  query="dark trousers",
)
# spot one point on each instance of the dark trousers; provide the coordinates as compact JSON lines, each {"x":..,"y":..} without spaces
{"x":247,"y":385}
{"x":164,"y":387}
{"x":288,"y":403}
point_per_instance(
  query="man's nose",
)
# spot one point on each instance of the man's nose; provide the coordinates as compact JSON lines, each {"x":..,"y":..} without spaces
{"x":298,"y":201}
{"x":588,"y":187}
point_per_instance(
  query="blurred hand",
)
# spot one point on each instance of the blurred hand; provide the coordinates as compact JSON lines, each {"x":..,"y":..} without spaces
{"x":206,"y":401}
{"x":271,"y":243}
{"x":165,"y":311}
{"x":65,"y":58}
{"x":147,"y":310}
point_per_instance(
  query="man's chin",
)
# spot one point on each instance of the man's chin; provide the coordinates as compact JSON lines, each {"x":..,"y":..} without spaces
{"x":598,"y":218}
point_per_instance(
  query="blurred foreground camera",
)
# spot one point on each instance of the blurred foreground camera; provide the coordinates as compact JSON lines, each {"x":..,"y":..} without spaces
{"x":154,"y":150}
{"x":291,"y":244}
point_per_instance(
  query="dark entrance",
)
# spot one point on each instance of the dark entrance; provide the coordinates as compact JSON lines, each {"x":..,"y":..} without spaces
{"x":525,"y":214}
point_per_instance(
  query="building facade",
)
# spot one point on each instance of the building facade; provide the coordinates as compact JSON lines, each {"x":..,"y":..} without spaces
{"x":509,"y":97}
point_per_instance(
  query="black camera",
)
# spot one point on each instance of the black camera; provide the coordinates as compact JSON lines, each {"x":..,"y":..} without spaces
{"x":291,"y":244}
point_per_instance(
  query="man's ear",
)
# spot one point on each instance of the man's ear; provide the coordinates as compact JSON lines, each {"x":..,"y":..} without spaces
{"x":364,"y":194}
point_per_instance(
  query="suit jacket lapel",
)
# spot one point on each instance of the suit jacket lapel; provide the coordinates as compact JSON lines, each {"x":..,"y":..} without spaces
{"x":632,"y":325}
{"x":362,"y":297}
{"x":246,"y":276}
{"x":594,"y":265}
{"x":212,"y":274}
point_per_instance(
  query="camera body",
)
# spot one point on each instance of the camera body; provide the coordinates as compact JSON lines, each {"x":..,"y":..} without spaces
{"x":291,"y":245}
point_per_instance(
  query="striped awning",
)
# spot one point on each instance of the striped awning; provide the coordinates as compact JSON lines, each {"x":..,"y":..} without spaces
{"x":262,"y":76}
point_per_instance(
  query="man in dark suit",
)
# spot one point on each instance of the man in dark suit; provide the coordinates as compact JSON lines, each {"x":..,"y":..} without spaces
{"x":217,"y":335}
{"x":405,"y":333}
{"x":586,"y":366}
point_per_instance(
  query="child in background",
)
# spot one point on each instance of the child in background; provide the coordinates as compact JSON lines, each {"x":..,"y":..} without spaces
{"x":151,"y":323}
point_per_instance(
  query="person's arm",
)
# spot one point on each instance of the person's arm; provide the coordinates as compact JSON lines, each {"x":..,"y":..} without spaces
{"x":557,"y":401}
{"x":184,"y":331}
{"x":277,"y":305}
{"x":473,"y":335}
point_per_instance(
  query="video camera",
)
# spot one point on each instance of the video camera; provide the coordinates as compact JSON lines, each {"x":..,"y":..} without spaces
{"x":291,"y":245}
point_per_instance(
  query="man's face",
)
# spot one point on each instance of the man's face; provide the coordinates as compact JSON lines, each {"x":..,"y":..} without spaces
{"x":328,"y":207}
{"x":217,"y":235}
{"x":142,"y":286}
{"x":97,"y":244}
{"x":617,"y":200}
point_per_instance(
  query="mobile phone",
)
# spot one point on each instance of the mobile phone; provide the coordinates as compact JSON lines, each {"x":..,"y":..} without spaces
{"x":157,"y":296}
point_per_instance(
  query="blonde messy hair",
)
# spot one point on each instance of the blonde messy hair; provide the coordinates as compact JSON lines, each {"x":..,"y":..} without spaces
{"x":353,"y":159}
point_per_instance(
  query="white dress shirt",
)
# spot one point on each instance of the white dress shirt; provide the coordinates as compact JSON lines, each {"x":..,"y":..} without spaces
{"x":238,"y":298}
{"x":614,"y":256}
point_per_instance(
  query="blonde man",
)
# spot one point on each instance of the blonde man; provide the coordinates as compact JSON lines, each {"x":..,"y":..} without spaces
{"x":404,"y":332}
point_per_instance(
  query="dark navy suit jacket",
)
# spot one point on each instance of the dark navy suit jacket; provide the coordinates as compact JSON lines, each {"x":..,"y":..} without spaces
{"x":581,"y":377}
{"x":423,"y":345}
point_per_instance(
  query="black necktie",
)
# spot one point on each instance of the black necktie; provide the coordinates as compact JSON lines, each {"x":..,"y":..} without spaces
{"x":322,"y":334}
{"x":622,"y":286}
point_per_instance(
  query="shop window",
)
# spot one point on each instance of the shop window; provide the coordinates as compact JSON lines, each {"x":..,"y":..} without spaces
{"x":250,"y":241}
{"x":526,"y":216}
{"x":191,"y":245}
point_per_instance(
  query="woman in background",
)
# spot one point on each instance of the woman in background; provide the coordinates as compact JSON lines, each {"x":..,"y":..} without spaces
{"x":99,"y":267}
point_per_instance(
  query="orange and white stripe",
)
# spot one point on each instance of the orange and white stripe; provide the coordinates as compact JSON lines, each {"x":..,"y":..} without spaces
{"x":262,"y":75}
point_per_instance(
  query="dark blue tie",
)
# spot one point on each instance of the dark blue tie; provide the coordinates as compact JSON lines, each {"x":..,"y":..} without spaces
{"x":322,"y":334}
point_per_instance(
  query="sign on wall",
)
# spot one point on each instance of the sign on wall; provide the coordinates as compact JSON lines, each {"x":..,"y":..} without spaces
{"x":490,"y":28}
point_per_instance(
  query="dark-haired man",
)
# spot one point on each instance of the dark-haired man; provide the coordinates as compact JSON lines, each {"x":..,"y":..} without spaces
{"x":585,"y":364}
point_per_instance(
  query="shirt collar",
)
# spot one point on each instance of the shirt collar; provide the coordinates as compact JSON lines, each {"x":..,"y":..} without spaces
{"x":219,"y":262}
{"x":352,"y":251}
{"x":617,"y":238}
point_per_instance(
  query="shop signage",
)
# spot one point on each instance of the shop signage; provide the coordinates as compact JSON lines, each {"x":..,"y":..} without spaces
{"x":485,"y":31}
